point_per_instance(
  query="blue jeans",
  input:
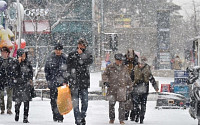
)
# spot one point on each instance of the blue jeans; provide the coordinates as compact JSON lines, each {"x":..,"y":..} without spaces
{"x":83,"y":95}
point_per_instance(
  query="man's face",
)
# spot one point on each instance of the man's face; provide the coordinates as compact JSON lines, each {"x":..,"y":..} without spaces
{"x":81,"y":46}
{"x":58,"y":52}
{"x":141,"y":65}
{"x":4,"y":54}
{"x":118,"y":62}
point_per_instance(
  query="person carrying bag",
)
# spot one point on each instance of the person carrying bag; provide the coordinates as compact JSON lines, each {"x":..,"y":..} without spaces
{"x":64,"y":102}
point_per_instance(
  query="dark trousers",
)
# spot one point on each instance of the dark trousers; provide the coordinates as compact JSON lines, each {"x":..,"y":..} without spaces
{"x":26,"y":108}
{"x":132,"y":114}
{"x":83,"y":95}
{"x":126,"y":114}
{"x":139,"y":107}
{"x":53,"y":97}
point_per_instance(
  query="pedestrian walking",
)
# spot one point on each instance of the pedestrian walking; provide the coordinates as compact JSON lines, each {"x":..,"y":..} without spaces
{"x":177,"y":63}
{"x":78,"y":63}
{"x":142,"y":76}
{"x":23,"y":84}
{"x":56,"y":75}
{"x":117,"y":78}
{"x":7,"y":75}
{"x":131,"y":60}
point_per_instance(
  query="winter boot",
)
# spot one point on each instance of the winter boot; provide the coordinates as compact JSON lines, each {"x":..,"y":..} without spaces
{"x":9,"y":112}
{"x":25,"y":119}
{"x":17,"y":116}
{"x":60,"y":121}
{"x":121,"y":122}
{"x":55,"y":118}
{"x":111,"y":122}
{"x":141,"y":119}
{"x":2,"y":112}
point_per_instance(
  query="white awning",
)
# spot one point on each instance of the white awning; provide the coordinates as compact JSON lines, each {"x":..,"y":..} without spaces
{"x":43,"y":27}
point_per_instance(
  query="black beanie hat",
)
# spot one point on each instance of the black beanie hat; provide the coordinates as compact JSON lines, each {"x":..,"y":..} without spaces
{"x":58,"y":46}
{"x":20,"y":52}
{"x":119,"y":56}
{"x":5,"y":49}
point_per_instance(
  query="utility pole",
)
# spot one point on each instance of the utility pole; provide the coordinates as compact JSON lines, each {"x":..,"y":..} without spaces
{"x":102,"y":29}
{"x":195,"y":19}
{"x":19,"y":22}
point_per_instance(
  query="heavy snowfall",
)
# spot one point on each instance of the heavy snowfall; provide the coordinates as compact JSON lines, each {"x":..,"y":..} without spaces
{"x":69,"y":40}
{"x":40,"y":111}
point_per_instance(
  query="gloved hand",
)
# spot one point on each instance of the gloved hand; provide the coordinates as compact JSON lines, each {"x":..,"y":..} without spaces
{"x":106,"y":84}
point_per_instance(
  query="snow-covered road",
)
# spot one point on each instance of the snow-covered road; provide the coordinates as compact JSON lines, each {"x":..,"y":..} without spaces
{"x":40,"y":111}
{"x":40,"y":114}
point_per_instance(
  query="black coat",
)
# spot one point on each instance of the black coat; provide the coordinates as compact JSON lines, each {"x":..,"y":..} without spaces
{"x":56,"y":70}
{"x":78,"y":67}
{"x":7,"y":72}
{"x":22,"y":89}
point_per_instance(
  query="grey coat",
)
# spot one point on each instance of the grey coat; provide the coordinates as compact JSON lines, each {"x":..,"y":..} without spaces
{"x":119,"y":81}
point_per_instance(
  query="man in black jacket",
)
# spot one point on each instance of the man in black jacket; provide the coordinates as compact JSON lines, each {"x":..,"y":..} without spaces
{"x":56,"y":75}
{"x":78,"y":63}
{"x":7,"y":76}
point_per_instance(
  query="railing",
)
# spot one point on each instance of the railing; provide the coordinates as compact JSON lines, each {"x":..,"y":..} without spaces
{"x":41,"y":92}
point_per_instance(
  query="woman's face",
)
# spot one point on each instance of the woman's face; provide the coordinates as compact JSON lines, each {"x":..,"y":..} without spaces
{"x":23,"y":57}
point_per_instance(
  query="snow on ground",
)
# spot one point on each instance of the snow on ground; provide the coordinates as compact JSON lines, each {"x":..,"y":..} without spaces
{"x":40,"y":114}
{"x":94,"y":81}
{"x":40,"y":111}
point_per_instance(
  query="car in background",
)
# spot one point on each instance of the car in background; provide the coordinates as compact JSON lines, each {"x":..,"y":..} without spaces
{"x":168,"y":100}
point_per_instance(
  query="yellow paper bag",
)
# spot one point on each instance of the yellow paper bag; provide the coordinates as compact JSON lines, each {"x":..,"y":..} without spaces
{"x":64,"y":102}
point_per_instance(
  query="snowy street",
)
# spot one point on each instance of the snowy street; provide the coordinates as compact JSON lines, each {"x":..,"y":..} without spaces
{"x":40,"y":111}
{"x":142,"y":55}
{"x":40,"y":114}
